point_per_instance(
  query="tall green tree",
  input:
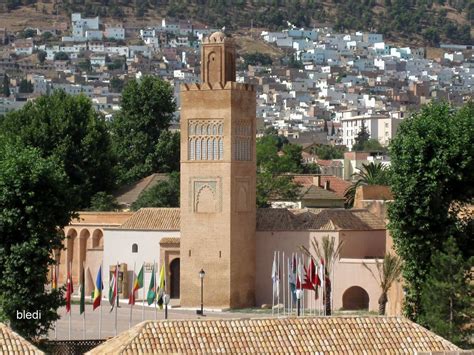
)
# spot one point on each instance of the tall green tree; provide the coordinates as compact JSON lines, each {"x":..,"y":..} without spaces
{"x":163,"y":194}
{"x":370,"y":174}
{"x":68,"y":128}
{"x":147,"y":110}
{"x":34,"y":206}
{"x":363,"y":136}
{"x":272,"y":164}
{"x":432,"y":175}
{"x":447,"y":296}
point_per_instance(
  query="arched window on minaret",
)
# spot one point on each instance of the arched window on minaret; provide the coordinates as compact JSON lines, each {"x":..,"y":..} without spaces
{"x":192,"y":129}
{"x":209,"y":129}
{"x":209,"y":149}
{"x":204,"y":149}
{"x":198,"y":129}
{"x":216,"y":149}
{"x":191,"y":149}
{"x":214,"y":130}
{"x":220,"y":129}
{"x":221,"y":149}
{"x":198,"y":148}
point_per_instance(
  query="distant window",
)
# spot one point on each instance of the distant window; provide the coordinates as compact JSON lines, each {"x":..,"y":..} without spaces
{"x":134,"y":248}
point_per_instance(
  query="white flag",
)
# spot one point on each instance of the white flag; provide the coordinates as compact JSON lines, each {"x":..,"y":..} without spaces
{"x":275,"y":277}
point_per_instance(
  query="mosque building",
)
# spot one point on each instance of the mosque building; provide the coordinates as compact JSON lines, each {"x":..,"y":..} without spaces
{"x":218,"y":228}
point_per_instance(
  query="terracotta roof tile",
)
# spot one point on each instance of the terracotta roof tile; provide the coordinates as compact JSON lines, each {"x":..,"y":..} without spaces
{"x":128,"y":194}
{"x":268,"y":219}
{"x":13,"y":343}
{"x":317,"y":219}
{"x":154,"y":219}
{"x":331,"y":335}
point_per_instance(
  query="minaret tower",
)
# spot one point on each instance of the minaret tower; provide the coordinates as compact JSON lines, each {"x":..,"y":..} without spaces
{"x":218,"y":173}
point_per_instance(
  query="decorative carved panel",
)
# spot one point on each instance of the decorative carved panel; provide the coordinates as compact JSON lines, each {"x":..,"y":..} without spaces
{"x":205,"y":140}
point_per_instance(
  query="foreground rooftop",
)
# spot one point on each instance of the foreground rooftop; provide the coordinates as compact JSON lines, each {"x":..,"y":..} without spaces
{"x":345,"y":334}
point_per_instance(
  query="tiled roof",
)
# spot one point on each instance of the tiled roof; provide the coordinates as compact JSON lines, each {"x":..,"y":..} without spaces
{"x":12,"y":343}
{"x":336,"y":184}
{"x":314,"y":192}
{"x":328,"y":335}
{"x":283,"y":219}
{"x":128,"y":194}
{"x":154,"y":219}
{"x":268,"y":219}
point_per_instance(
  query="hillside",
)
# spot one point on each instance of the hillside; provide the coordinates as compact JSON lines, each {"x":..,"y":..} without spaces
{"x":403,"y":21}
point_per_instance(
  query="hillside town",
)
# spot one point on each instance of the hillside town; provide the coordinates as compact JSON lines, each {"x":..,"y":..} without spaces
{"x":245,"y":191}
{"x":322,"y":90}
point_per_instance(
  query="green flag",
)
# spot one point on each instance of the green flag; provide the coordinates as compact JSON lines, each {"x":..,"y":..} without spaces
{"x":82,"y":304}
{"x":150,"y":297}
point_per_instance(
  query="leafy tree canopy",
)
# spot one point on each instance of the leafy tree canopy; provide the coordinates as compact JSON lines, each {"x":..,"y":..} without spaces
{"x":163,"y":194}
{"x":328,"y":152}
{"x":447,"y":295}
{"x":103,"y":201}
{"x":432,"y":176}
{"x":34,"y":206}
{"x":68,"y":128}
{"x":147,"y":111}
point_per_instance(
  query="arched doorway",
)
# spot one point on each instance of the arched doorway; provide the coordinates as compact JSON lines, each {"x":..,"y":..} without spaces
{"x":355,"y":298}
{"x":174,"y":278}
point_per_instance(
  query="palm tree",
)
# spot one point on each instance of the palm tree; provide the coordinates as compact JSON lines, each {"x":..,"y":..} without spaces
{"x":388,"y":271}
{"x":371,"y":174}
{"x":328,"y":252}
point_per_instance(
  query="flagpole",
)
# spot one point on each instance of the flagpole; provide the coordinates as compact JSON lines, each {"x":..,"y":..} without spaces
{"x":56,"y":270}
{"x":143,"y":299}
{"x":132,"y":295}
{"x":278,"y":285}
{"x":273,"y":285}
{"x":303,"y":258}
{"x":154,"y":275}
{"x":283,"y":283}
{"x":100,"y":310}
{"x":116,"y":295}
{"x":83,"y":290}
{"x":70,"y":280}
{"x":290,"y":266}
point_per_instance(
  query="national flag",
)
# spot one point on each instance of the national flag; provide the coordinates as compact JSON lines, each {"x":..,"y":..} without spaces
{"x":292,"y":276}
{"x":299,"y":274}
{"x":113,"y":288}
{"x":151,"y":295}
{"x":161,"y":287}
{"x":69,"y":291}
{"x":275,"y":277}
{"x":310,"y":276}
{"x":137,"y":284}
{"x":98,"y":289}
{"x":82,"y":302}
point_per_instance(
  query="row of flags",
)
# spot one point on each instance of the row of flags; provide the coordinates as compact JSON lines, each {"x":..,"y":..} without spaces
{"x":300,"y":276}
{"x":155,"y":294}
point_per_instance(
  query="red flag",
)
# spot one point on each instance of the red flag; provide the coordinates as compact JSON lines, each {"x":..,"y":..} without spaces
{"x":310,"y":277}
{"x":69,"y":291}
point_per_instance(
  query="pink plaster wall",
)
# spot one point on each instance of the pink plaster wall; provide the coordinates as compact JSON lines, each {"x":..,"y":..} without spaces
{"x":347,"y":272}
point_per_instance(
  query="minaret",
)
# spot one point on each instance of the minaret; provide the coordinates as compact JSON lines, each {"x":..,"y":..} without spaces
{"x":218,"y":187}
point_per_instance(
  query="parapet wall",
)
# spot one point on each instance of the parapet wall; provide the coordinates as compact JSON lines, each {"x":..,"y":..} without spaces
{"x":230,"y":85}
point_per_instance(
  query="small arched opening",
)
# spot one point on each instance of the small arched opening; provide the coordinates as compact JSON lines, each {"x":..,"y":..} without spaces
{"x":355,"y":298}
{"x":174,"y":278}
{"x":97,"y":239}
{"x":134,"y":248}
